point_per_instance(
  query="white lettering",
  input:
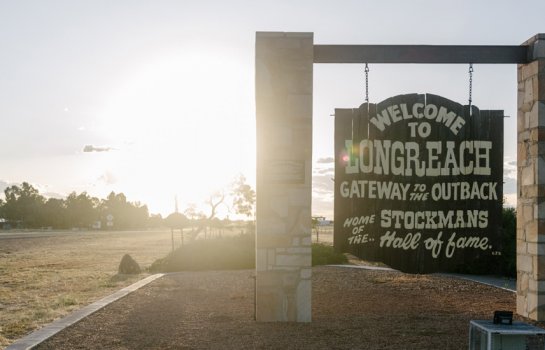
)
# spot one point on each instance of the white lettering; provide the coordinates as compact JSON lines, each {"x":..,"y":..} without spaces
{"x":451,"y":219}
{"x":384,"y":157}
{"x":395,"y":113}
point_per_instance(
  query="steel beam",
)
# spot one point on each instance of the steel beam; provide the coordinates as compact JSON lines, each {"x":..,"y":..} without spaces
{"x":420,"y":54}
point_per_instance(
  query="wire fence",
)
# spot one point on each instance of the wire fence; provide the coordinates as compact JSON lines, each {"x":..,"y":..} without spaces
{"x":323,"y":234}
{"x":320,"y":234}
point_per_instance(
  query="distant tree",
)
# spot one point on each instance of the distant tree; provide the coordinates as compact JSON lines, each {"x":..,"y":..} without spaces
{"x":2,"y":203}
{"x":214,"y":201}
{"x":81,"y":210}
{"x":126,"y":215}
{"x":508,"y":264}
{"x":138,"y":215}
{"x":23,"y":204}
{"x":192,"y":213}
{"x":156,"y":220}
{"x":201,"y":221}
{"x":243,"y":197}
{"x":195,"y":218}
{"x":115,"y":205}
{"x":54,"y":213}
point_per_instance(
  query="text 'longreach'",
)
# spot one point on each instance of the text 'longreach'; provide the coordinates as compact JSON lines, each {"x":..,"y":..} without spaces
{"x":385,"y":157}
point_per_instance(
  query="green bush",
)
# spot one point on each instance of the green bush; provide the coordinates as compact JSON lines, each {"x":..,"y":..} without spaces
{"x":508,"y":264}
{"x":326,"y":255}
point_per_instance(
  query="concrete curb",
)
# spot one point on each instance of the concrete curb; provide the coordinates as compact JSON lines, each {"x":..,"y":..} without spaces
{"x":53,"y":328}
{"x":365,"y":267}
{"x":508,"y":284}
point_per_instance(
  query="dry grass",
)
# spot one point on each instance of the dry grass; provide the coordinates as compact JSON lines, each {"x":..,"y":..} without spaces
{"x":44,"y":276}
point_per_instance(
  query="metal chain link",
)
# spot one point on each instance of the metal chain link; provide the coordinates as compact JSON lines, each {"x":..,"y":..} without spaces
{"x":366,"y":83}
{"x":470,"y":85}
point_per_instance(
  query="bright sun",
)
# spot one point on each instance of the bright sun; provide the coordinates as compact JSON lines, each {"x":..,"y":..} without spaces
{"x":181,"y":125}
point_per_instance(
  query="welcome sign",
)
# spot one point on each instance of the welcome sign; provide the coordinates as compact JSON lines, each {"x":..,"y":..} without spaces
{"x":418,"y":183}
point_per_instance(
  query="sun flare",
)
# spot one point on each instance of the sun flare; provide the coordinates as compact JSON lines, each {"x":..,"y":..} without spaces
{"x":177,"y":128}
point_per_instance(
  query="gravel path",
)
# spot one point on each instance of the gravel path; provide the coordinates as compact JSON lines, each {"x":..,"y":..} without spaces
{"x":352,"y":308}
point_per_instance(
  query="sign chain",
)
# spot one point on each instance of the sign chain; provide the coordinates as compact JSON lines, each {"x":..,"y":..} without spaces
{"x":470,"y":86}
{"x":366,"y":83}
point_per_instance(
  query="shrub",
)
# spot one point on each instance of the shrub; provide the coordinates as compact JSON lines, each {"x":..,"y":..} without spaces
{"x":326,"y":255}
{"x":508,"y":265}
{"x":230,"y":253}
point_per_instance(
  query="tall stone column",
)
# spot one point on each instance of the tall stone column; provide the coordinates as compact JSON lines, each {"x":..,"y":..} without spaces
{"x":284,"y":64}
{"x":531,"y":183}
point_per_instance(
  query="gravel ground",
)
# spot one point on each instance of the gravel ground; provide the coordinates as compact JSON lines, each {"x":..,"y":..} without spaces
{"x":352,"y":309}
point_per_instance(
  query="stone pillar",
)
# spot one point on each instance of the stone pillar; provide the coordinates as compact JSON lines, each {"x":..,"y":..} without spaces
{"x":531,"y":183}
{"x":284,"y":63}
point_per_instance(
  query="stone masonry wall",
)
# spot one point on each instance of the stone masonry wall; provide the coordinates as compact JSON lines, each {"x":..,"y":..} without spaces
{"x":531,"y":183}
{"x":284,"y":63}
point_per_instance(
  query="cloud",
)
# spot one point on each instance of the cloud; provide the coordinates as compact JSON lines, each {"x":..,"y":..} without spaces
{"x":509,"y":185}
{"x":510,"y":181}
{"x":3,"y":186}
{"x":108,"y":178}
{"x":510,"y":169}
{"x":326,"y":160}
{"x":322,"y":195}
{"x":324,"y":171}
{"x":510,"y":200}
{"x":54,"y":195}
{"x":91,"y":148}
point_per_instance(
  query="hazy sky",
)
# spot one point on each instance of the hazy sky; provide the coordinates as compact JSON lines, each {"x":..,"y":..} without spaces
{"x":156,"y":98}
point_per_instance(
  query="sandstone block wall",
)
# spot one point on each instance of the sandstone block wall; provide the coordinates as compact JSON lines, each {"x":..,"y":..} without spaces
{"x":531,"y":183}
{"x":284,"y":64}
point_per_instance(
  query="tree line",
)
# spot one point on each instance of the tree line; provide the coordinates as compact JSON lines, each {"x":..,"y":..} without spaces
{"x":24,"y":207}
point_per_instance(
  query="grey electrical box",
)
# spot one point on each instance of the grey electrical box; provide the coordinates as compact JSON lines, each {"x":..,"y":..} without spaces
{"x":486,"y":335}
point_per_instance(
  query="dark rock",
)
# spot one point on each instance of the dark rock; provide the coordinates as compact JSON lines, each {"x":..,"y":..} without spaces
{"x":129,"y":266}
